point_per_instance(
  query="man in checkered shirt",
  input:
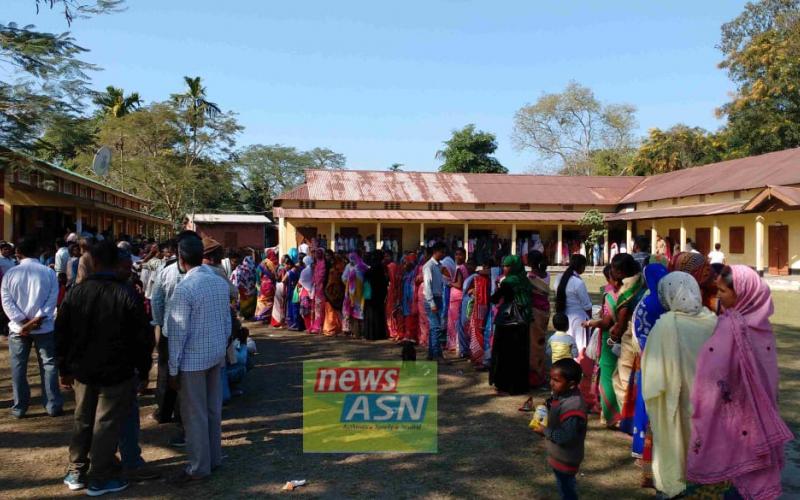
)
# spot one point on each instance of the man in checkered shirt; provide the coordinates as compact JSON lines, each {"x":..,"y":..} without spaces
{"x":199,"y":324}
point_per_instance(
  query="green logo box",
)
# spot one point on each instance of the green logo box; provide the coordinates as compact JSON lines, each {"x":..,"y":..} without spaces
{"x":370,"y":407}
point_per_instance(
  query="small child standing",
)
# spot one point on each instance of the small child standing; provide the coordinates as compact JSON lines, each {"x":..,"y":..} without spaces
{"x":565,"y":431}
{"x":561,"y":345}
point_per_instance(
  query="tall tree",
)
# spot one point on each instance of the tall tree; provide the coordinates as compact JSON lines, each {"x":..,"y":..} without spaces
{"x":470,"y":151}
{"x":325,"y":159}
{"x":264,"y":172}
{"x":676,"y":148}
{"x":569,"y":126}
{"x":396,"y":167}
{"x":47,"y":77}
{"x":114,"y":103}
{"x":761,"y":49}
{"x":194,"y":101}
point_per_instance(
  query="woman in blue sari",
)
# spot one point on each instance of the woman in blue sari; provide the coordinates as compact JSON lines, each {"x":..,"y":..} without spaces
{"x":644,"y":318}
{"x":293,"y":320}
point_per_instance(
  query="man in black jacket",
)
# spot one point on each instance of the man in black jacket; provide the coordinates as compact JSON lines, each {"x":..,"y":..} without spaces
{"x":102,"y":347}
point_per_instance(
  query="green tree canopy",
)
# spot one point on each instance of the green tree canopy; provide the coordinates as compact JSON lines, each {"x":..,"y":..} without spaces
{"x":676,"y":148}
{"x":568,"y":127}
{"x":470,"y":151}
{"x":114,"y":103}
{"x":761,"y":49}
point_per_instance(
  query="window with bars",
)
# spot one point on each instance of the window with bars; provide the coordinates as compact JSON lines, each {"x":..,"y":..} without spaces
{"x":480,"y":206}
{"x":524,"y":206}
{"x":349,"y":205}
{"x":436,"y":206}
{"x":568,"y":208}
{"x":737,"y":195}
{"x":674,"y":201}
{"x":308,"y":204}
{"x":391,"y":205}
{"x":702,"y":198}
{"x":68,"y":187}
{"x":649,"y":204}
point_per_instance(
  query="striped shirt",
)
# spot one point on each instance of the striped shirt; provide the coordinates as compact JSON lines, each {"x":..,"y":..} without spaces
{"x":199,"y":321}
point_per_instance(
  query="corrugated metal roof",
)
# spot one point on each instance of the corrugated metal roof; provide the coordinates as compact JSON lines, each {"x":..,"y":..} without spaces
{"x":352,"y":185}
{"x":684,"y":211}
{"x":790,"y":196}
{"x":779,"y":168}
{"x":427,"y":215}
{"x":230,"y":218}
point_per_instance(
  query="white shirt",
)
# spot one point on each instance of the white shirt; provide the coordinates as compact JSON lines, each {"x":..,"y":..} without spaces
{"x":61,"y":259}
{"x":303,"y":248}
{"x":578,"y":299}
{"x":716,"y":257}
{"x":29,"y":290}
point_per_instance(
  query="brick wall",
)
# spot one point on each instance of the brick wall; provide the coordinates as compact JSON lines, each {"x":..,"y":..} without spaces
{"x":234,"y":235}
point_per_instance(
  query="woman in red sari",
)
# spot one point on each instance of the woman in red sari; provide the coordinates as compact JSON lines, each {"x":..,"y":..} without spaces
{"x":320,"y":276}
{"x":477,"y":323}
{"x":394,"y":316}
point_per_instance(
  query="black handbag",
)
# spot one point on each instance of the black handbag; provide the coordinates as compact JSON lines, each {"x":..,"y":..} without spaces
{"x":510,"y":314}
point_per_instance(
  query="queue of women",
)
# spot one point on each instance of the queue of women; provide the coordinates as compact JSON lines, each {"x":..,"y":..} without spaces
{"x":681,"y":357}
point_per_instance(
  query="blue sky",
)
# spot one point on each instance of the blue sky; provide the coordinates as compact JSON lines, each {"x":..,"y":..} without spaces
{"x":385,"y":82}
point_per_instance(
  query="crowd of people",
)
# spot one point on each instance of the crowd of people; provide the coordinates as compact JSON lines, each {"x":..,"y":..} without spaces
{"x":94,"y":310}
{"x":680,"y":355}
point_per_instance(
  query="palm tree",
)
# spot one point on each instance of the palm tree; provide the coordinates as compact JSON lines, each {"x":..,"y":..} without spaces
{"x":195,"y":102}
{"x":396,"y":167}
{"x":113,"y":102}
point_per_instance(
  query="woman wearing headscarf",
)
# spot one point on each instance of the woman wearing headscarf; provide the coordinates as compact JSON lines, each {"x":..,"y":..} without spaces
{"x":319,"y":276}
{"x":408,"y":301}
{"x":334,"y":298}
{"x":294,"y":321}
{"x":540,"y":302}
{"x":353,"y":308}
{"x":645,"y":316}
{"x":375,"y":303}
{"x":279,"y":305}
{"x":244,"y":279}
{"x":737,"y":432}
{"x":265,"y":277}
{"x":394,"y":295}
{"x":698,"y":266}
{"x":510,"y":353}
{"x":306,"y":290}
{"x":668,"y":371}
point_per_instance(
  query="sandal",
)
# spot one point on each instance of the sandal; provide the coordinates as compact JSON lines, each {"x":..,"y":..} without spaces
{"x":527,"y":406}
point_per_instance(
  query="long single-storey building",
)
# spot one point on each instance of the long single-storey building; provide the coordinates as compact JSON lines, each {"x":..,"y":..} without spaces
{"x":231,"y":230}
{"x":42,"y":199}
{"x":747,"y":205}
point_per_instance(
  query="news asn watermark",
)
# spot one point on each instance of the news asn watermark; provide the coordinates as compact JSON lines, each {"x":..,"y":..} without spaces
{"x":369,"y":407}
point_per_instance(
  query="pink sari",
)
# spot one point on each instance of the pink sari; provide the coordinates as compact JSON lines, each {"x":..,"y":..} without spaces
{"x":737,"y":432}
{"x":394,"y":315}
{"x":454,"y":311}
{"x":424,"y":326}
{"x":320,"y":273}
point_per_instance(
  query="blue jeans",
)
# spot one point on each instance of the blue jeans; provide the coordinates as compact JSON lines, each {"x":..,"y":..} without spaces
{"x":19,"y":348}
{"x":435,"y":322}
{"x":567,"y":485}
{"x":129,"y":449}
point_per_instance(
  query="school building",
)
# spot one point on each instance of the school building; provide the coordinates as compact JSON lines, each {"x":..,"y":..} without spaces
{"x":751,"y":206}
{"x":41,"y":199}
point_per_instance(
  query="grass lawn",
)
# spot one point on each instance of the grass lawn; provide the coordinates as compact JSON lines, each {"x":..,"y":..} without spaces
{"x":485,"y":447}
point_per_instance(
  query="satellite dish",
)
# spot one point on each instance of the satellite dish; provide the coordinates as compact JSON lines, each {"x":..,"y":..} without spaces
{"x":102,"y":160}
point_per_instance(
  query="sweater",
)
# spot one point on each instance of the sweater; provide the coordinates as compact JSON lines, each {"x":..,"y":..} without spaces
{"x":566,"y":431}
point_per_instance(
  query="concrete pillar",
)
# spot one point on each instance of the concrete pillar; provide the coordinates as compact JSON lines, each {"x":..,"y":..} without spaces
{"x":606,"y":245}
{"x":378,"y":237}
{"x":559,"y":245}
{"x":283,"y":247}
{"x":653,"y":237}
{"x":760,"y":243}
{"x":514,"y":239}
{"x":422,"y":234}
{"x":716,"y":235}
{"x":683,"y":236}
{"x":332,"y":237}
{"x":466,"y":239}
{"x":629,"y":236}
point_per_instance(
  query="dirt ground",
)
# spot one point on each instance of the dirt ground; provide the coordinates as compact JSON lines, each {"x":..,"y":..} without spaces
{"x":485,"y":447}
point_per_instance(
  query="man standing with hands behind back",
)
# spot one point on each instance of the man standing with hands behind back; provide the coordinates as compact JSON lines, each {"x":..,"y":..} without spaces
{"x":199,"y":324}
{"x":29,"y":293}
